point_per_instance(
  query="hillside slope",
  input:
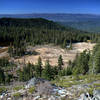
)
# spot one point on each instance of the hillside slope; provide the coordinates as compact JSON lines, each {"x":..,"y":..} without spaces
{"x":38,"y":30}
{"x":28,"y":23}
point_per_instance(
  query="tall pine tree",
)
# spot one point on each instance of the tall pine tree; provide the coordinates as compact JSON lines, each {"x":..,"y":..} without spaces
{"x":39,"y":68}
{"x":47,"y":73}
{"x":60,"y":62}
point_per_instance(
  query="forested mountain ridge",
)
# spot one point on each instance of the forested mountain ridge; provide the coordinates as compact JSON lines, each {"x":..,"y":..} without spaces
{"x":89,"y":26}
{"x":9,"y":27}
{"x":61,"y":17}
{"x":25,"y":27}
{"x":19,"y":32}
{"x":32,"y":22}
{"x":85,"y":22}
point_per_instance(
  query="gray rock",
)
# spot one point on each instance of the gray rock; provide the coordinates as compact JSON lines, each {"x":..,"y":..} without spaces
{"x":96,"y":95}
{"x":52,"y":98}
{"x":85,"y":97}
{"x":82,"y":97}
{"x":31,"y":82}
{"x":36,"y":98}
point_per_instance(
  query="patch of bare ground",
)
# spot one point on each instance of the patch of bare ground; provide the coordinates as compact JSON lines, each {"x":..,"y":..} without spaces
{"x":4,"y":52}
{"x":51,"y":53}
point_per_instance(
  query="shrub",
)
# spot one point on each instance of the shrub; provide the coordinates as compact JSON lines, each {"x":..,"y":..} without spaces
{"x":65,"y":72}
{"x":90,"y":91}
{"x":17,"y":88}
{"x":2,"y":89}
{"x":17,"y":94}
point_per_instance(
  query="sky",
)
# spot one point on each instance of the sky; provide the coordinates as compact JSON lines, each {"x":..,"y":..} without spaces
{"x":49,"y":6}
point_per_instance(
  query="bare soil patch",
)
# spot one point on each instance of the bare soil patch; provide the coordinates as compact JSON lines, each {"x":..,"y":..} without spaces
{"x":51,"y":53}
{"x":4,"y":52}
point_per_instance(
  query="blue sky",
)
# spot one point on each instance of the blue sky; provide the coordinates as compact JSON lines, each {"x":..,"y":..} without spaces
{"x":49,"y":6}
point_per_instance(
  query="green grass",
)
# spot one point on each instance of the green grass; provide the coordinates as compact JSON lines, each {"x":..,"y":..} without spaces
{"x":17,"y":88}
{"x":90,"y":91}
{"x":31,"y":89}
{"x":96,"y":84}
{"x":97,"y":88}
{"x":2,"y":89}
{"x":65,"y":81}
{"x":90,"y":77}
{"x":17,"y":94}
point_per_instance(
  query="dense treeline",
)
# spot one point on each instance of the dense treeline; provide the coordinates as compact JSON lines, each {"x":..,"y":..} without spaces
{"x":11,"y":29}
{"x":8,"y":70}
{"x":5,"y":68}
{"x":88,"y":62}
{"x":38,"y":70}
{"x":94,"y":62}
{"x":39,"y":31}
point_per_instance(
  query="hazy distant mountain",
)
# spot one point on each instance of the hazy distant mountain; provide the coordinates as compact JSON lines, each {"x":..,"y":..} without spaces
{"x":55,"y":16}
{"x":87,"y":22}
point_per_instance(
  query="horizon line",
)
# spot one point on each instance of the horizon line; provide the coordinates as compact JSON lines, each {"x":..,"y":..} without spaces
{"x":47,"y":13}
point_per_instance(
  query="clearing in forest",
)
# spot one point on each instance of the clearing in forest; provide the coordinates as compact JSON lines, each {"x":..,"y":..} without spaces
{"x":51,"y":53}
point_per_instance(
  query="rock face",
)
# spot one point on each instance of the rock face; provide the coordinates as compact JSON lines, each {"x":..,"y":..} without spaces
{"x":86,"y":96}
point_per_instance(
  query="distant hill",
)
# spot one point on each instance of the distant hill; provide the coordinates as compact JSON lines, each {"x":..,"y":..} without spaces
{"x":39,"y":31}
{"x":85,"y":22}
{"x":89,"y":26}
{"x":28,"y":23}
{"x":56,"y":16}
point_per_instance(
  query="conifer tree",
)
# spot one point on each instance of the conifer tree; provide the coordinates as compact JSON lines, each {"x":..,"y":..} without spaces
{"x":47,"y":73}
{"x":81,"y":64}
{"x":2,"y":76}
{"x":94,"y":63}
{"x":97,"y":62}
{"x":10,"y":50}
{"x":60,"y":62}
{"x":39,"y":67}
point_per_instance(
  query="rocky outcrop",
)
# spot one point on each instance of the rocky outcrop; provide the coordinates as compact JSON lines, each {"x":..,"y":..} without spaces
{"x":96,"y":95}
{"x":87,"y":96}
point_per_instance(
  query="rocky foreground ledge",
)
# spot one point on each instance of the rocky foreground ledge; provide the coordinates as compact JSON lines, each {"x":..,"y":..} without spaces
{"x":87,"y":96}
{"x":65,"y":88}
